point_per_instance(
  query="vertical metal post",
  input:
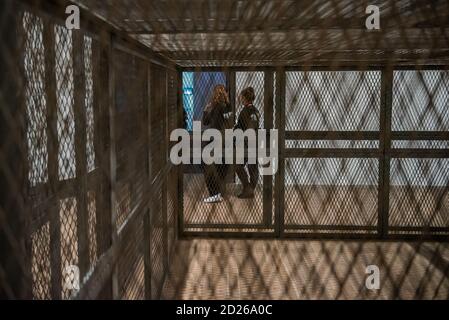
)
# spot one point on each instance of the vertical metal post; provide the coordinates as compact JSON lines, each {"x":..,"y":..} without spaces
{"x":102,"y":92}
{"x":80,"y":151}
{"x":180,"y":168}
{"x":385,"y":147}
{"x":148,"y":191}
{"x":52,"y":148}
{"x":164,"y":170}
{"x":232,"y":98}
{"x":268,"y":120}
{"x":113,"y":167}
{"x":280,"y":126}
{"x":96,"y":78}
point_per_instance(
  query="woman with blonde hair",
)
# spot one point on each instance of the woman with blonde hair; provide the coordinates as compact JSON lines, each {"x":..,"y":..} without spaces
{"x":215,"y":116}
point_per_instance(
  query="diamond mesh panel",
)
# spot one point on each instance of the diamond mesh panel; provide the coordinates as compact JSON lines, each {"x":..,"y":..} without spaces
{"x":65,"y":101}
{"x":92,"y":227}
{"x":420,"y":100}
{"x":40,"y":262}
{"x":332,"y":101}
{"x":157,"y":245}
{"x":157,"y":117}
{"x":325,"y":193}
{"x":89,"y":103}
{"x":130,"y":265}
{"x":130,"y":148}
{"x":420,"y":144}
{"x":34,"y":68}
{"x":419,"y":193}
{"x":172,"y":195}
{"x":337,"y":144}
{"x":69,"y":240}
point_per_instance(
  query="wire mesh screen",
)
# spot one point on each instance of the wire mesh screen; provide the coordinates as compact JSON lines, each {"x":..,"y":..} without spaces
{"x":341,"y":193}
{"x":130,"y":149}
{"x":418,"y":192}
{"x":333,"y":101}
{"x":328,"y":194}
{"x":418,"y":195}
{"x":420,"y":100}
{"x":88,"y":118}
{"x":60,"y":189}
{"x":34,"y":69}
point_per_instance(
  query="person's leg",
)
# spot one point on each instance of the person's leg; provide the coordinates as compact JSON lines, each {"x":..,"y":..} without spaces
{"x":222,"y":173}
{"x":242,"y":175}
{"x":253,"y":170}
{"x":248,"y":191}
{"x":211,"y":181}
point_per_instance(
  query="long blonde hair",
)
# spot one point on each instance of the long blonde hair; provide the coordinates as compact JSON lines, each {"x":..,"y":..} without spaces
{"x":219,"y":96}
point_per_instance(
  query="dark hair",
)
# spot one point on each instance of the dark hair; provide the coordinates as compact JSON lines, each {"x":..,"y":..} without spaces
{"x":248,"y":94}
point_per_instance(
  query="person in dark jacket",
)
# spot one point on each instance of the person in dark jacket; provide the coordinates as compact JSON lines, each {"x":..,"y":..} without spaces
{"x":249,"y":118}
{"x":215,"y":116}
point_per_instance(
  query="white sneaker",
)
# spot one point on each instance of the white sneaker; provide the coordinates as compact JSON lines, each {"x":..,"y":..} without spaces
{"x":214,"y":199}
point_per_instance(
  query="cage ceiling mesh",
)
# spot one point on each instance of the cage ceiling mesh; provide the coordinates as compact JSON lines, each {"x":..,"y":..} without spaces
{"x":283,"y":32}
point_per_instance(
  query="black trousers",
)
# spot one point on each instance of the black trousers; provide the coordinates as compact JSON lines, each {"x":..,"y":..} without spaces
{"x":215,"y":176}
{"x":248,"y":179}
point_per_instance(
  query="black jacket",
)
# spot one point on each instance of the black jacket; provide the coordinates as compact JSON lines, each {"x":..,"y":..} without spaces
{"x":215,"y":116}
{"x":249,"y":118}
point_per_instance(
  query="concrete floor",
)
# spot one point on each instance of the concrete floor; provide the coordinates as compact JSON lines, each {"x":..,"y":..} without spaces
{"x":283,"y":269}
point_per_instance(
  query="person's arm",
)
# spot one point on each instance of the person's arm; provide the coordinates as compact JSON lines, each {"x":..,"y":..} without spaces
{"x":240,"y":124}
{"x":227,"y":108}
{"x":207,"y":115}
{"x":253,"y":120}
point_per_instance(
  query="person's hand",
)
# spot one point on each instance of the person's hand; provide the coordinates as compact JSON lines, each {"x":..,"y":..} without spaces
{"x":208,"y":108}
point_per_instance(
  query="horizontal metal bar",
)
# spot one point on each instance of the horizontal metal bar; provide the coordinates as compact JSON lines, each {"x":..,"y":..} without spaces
{"x":330,"y":236}
{"x":186,"y":235}
{"x":224,"y":226}
{"x":227,"y":69}
{"x":332,"y":135}
{"x":363,"y":237}
{"x":420,"y":229}
{"x":305,"y":68}
{"x":343,"y":66}
{"x":420,"y":135}
{"x":422,"y":67}
{"x":330,"y":227}
{"x":226,"y":235}
{"x":332,"y":153}
{"x":420,"y":153}
{"x":346,"y":66}
{"x":417,"y":237}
